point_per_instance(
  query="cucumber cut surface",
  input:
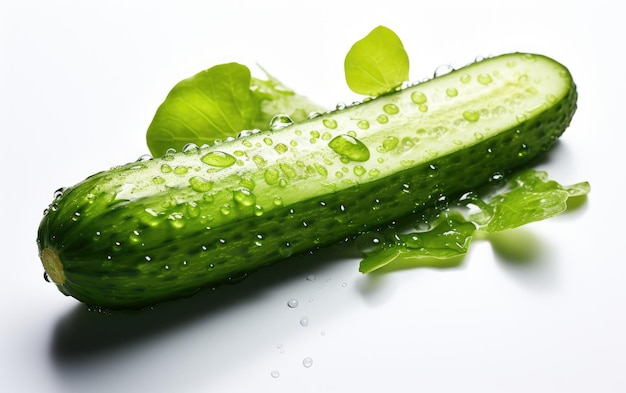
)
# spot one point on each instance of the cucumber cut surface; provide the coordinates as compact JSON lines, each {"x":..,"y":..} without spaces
{"x":158,"y":229}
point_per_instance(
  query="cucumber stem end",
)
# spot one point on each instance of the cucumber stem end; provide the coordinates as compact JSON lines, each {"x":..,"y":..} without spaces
{"x":52,"y":265}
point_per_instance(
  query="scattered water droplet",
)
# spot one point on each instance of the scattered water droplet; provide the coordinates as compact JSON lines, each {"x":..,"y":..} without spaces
{"x":344,"y":284}
{"x":363,"y":124}
{"x":285,"y":250}
{"x":418,"y":97}
{"x":311,"y":277}
{"x":144,"y":158}
{"x":275,"y":374}
{"x":243,"y":197}
{"x":330,"y":123}
{"x":452,"y":92}
{"x":281,"y":148}
{"x":443,"y":70}
{"x":307,"y":362}
{"x":279,"y":122}
{"x":58,"y":194}
{"x":218,"y":159}
{"x":350,"y":147}
{"x":391,"y":109}
{"x":191,"y":148}
{"x":292,"y":303}
{"x":471,"y":116}
{"x":304,"y":321}
{"x":484,"y":79}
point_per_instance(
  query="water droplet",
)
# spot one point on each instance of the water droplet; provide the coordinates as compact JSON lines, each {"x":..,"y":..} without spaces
{"x":58,"y":194}
{"x":245,"y":133}
{"x":225,"y":209}
{"x":382,"y":119}
{"x":340,"y":106}
{"x":452,"y":92}
{"x":466,"y":78}
{"x":144,"y":158}
{"x":320,"y":169}
{"x":359,"y":170}
{"x":313,"y":115}
{"x":181,"y":170}
{"x":307,"y":362}
{"x":389,"y":143}
{"x":363,"y":124}
{"x":443,"y":70}
{"x":281,"y":148}
{"x":275,"y":374}
{"x":243,"y":197}
{"x":311,"y":277}
{"x":279,"y":122}
{"x":350,"y":147}
{"x":304,"y":321}
{"x":200,"y":184}
{"x":292,"y":303}
{"x":285,"y":250}
{"x":288,"y":170}
{"x":471,"y":116}
{"x":344,"y":284}
{"x":391,"y":109}
{"x":523,"y":151}
{"x":484,"y":79}
{"x":330,"y":123}
{"x":271,"y":176}
{"x":418,"y":97}
{"x":190,"y":148}
{"x":218,"y":159}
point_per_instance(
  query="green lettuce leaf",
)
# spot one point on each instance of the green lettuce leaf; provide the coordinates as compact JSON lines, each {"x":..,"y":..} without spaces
{"x":527,"y":197}
{"x":218,"y":103}
{"x":377,"y":63}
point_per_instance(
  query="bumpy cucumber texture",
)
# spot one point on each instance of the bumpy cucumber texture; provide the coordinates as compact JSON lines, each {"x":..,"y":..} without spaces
{"x":163,"y":228}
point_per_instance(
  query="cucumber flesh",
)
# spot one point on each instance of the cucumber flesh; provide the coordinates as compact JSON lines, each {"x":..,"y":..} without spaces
{"x":158,"y":229}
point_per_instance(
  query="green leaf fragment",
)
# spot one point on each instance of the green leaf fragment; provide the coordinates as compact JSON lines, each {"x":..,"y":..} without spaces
{"x":377,"y":63}
{"x":218,"y":103}
{"x":213,"y":104}
{"x":528,"y":196}
{"x":532,"y":197}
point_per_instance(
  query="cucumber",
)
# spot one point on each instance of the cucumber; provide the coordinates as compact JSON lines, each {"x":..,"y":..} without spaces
{"x":162,"y":228}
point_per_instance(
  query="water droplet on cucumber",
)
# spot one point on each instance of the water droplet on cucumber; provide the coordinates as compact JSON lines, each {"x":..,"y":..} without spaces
{"x":443,"y":70}
{"x":391,"y":109}
{"x":243,"y":197}
{"x":218,"y":159}
{"x":330,"y":123}
{"x":350,"y":147}
{"x":307,"y":362}
{"x":292,"y":303}
{"x":279,"y":122}
{"x":471,"y":116}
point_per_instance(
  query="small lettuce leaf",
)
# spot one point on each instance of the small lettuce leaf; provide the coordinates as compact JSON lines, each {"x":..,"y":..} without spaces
{"x":214,"y":103}
{"x":448,"y":239}
{"x":377,"y":63}
{"x":527,"y":197}
{"x":532,"y":197}
{"x":218,"y":103}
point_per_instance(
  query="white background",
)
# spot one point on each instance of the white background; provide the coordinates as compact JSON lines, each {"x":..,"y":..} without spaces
{"x":79,"y":84}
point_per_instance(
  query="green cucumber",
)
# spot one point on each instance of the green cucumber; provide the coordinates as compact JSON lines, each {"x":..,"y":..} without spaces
{"x":163,"y":228}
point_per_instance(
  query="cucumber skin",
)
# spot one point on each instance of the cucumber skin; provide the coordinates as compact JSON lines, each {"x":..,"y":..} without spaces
{"x":107,"y":264}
